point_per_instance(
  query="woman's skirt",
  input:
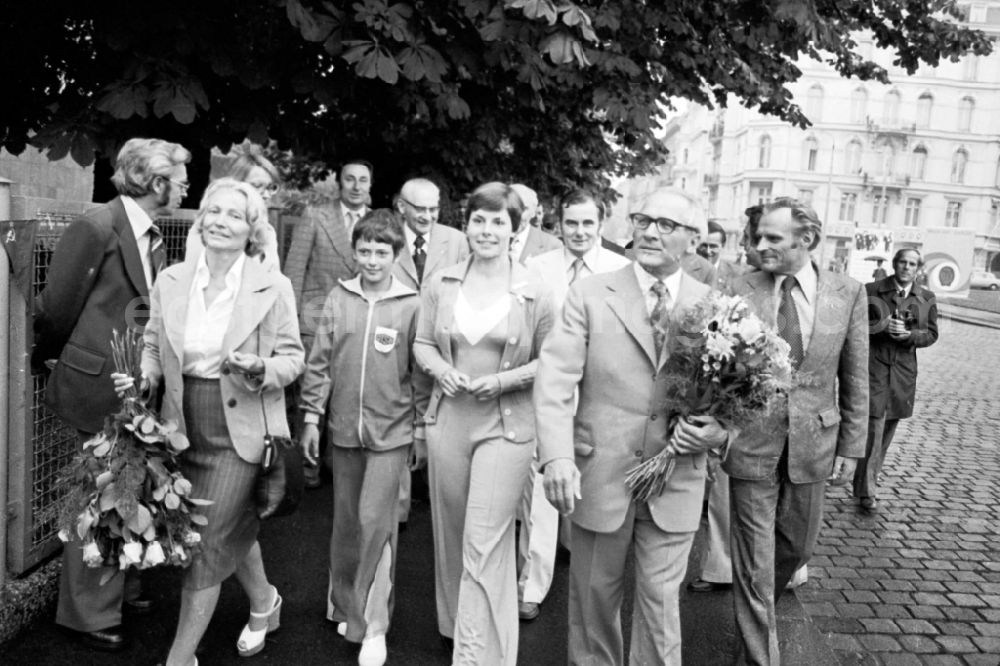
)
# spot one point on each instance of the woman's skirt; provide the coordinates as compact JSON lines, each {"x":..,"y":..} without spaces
{"x":217,"y":473}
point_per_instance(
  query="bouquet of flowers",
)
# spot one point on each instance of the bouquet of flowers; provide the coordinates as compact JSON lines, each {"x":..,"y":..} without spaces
{"x":724,"y":362}
{"x":128,"y":501}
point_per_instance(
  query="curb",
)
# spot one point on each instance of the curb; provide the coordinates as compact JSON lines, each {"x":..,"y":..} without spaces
{"x":28,"y":599}
{"x":972,"y":316}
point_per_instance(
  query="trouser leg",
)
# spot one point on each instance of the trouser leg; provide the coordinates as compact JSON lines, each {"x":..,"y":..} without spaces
{"x":716,"y":562}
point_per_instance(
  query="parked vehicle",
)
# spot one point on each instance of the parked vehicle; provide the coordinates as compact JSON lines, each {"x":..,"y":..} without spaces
{"x":984,"y":280}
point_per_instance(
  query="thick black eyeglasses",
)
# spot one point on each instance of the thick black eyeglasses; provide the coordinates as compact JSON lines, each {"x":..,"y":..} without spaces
{"x":663,"y":224}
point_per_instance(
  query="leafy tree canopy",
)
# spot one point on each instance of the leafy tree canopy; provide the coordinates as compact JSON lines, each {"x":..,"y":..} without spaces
{"x":552,"y":93}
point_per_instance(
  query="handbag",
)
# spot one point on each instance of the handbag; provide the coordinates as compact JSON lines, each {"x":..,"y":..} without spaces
{"x":280,"y":482}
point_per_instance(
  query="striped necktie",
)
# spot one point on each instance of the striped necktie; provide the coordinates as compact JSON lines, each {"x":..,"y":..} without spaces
{"x":157,"y":251}
{"x":575,"y":270}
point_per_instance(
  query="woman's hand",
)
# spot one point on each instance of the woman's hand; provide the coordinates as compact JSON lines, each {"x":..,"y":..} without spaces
{"x":248,"y":364}
{"x":453,"y":382}
{"x":124,"y":382}
{"x":310,"y":443}
{"x":485,"y":388}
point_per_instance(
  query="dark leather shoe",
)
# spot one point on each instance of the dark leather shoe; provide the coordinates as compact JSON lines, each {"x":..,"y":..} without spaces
{"x":141,"y":605}
{"x":699,"y":585}
{"x":111,"y":639}
{"x":527,"y":610}
{"x":869,"y":505}
{"x":447,"y":643}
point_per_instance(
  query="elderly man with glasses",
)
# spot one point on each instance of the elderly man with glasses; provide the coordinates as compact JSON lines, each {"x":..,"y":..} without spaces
{"x":610,"y":350}
{"x":99,"y":280}
{"x":429,"y":245}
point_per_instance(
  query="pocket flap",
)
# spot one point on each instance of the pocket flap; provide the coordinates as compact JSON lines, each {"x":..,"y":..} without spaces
{"x":83,"y":360}
{"x":829,"y":417}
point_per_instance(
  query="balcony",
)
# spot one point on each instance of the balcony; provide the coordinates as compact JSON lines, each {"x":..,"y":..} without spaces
{"x":711,"y":179}
{"x":715,"y":134}
{"x":891,"y":127}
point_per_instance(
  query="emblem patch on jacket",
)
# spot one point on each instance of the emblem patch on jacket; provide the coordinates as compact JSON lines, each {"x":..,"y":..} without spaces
{"x":385,"y":339}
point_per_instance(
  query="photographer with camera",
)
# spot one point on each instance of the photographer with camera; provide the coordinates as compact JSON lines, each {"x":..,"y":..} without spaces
{"x":902,"y":317}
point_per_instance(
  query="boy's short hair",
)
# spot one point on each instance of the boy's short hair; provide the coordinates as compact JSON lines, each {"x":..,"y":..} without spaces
{"x":379,"y":226}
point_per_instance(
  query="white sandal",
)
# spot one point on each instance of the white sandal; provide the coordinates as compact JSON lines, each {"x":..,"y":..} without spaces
{"x":252,"y":641}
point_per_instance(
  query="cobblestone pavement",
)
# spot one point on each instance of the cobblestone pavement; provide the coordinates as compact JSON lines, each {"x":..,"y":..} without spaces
{"x":920,"y":582}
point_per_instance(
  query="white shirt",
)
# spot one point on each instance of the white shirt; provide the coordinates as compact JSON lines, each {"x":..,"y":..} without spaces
{"x":411,"y":236}
{"x":518,"y":241}
{"x":906,"y":290}
{"x":804,"y":297}
{"x":672,"y":282}
{"x":140,"y":221}
{"x":589,"y":266}
{"x":206,"y":325}
{"x":347,"y":213}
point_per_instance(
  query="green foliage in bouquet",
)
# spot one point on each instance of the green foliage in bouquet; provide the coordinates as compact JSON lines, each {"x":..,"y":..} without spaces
{"x":128,"y":502}
{"x":724,"y":362}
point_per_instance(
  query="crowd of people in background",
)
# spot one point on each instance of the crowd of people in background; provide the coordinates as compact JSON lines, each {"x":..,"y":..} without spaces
{"x":515,"y":372}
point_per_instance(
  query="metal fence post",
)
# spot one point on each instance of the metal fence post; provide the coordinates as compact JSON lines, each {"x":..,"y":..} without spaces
{"x":4,"y":382}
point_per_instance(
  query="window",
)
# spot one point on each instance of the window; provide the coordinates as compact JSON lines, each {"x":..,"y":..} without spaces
{"x":859,"y":105}
{"x":764,"y":152}
{"x":885,"y":164}
{"x":970,"y":68}
{"x":685,"y":161}
{"x":848,"y":203}
{"x":890,"y":108}
{"x":760,"y":193}
{"x":810,"y":154}
{"x":965,"y":108}
{"x":953,"y":215}
{"x":925,"y":103}
{"x":880,"y":209}
{"x":918,"y":163}
{"x":912,"y":218}
{"x":852,"y":157}
{"x":814,"y":103}
{"x":958,"y":163}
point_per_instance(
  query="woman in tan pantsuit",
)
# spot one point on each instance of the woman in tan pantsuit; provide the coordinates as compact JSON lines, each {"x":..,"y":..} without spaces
{"x":223,"y":338}
{"x":481,"y":326}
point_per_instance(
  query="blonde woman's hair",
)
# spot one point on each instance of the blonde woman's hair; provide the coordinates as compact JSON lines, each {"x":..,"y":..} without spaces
{"x":256,"y":211}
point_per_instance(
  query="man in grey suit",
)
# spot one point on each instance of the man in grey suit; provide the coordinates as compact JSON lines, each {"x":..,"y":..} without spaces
{"x":320,"y":252}
{"x":429,"y":246}
{"x":610,"y":346}
{"x":530,"y":241}
{"x":99,"y":280}
{"x":778,"y":468}
{"x":710,"y":248}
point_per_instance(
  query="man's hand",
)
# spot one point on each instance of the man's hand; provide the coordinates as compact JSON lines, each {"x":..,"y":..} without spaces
{"x":418,"y":454}
{"x":562,"y":484}
{"x":695,"y":434}
{"x":310,"y":443}
{"x":843,"y":470}
{"x":897,"y":330}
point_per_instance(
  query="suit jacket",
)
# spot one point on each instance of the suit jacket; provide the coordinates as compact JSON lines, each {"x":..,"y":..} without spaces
{"x":263,"y":323}
{"x":319,"y":255}
{"x":603,"y":345}
{"x":726,"y":272}
{"x":826,"y":413}
{"x":892,"y":365}
{"x":536,"y":243}
{"x":95,"y":284}
{"x":445,"y":247}
{"x":550,"y":269}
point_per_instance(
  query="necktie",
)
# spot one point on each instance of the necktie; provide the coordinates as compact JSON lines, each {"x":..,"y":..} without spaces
{"x":575,"y":270}
{"x":157,"y":251}
{"x":658,"y":317}
{"x":788,"y":322}
{"x":351,"y":219}
{"x":419,"y":256}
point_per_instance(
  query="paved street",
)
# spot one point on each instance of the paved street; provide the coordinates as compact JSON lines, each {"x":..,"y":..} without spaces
{"x":919,"y":584}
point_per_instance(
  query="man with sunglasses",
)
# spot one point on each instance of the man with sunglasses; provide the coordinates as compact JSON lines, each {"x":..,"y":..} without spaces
{"x":99,"y":280}
{"x":610,"y":349}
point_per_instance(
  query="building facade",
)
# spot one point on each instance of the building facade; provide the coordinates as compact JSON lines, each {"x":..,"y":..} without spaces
{"x":905,"y":162}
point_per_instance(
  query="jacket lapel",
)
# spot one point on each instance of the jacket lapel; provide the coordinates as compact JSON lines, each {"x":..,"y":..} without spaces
{"x":628,"y":303}
{"x":406,"y":263}
{"x":254,"y":300}
{"x":332,"y":223}
{"x":175,"y":290}
{"x":830,"y":307}
{"x":437,"y":248}
{"x":129,"y":247}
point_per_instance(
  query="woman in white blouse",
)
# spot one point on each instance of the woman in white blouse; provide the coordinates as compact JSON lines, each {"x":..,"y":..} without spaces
{"x":481,"y":326}
{"x":223,"y":338}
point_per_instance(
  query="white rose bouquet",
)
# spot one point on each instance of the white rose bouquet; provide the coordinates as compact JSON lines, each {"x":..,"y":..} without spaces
{"x":724,"y":362}
{"x":128,"y":502}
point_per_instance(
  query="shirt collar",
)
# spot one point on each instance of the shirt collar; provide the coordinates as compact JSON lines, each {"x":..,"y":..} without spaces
{"x":359,"y":213}
{"x":646,"y":280}
{"x":521,"y":236}
{"x":898,"y":287}
{"x":234,"y":277}
{"x":138,"y":218}
{"x":589,"y":257}
{"x":411,"y":235}
{"x":808,"y":281}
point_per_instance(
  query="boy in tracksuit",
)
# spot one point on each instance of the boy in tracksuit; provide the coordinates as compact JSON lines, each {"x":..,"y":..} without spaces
{"x":361,"y":363}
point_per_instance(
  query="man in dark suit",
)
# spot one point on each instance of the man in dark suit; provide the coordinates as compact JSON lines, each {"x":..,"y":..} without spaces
{"x":710,"y":248}
{"x":778,"y":467}
{"x":99,"y":280}
{"x":610,"y":350}
{"x":320,"y":252}
{"x":902,"y":317}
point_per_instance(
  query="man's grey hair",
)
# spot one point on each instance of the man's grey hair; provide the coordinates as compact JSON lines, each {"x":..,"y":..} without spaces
{"x":802,"y":214}
{"x":140,"y":161}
